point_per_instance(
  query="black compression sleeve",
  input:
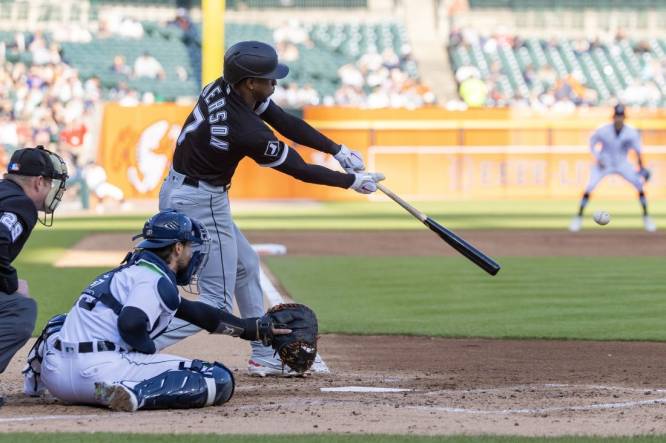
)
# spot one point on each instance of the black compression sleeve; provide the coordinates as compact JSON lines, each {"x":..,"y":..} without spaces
{"x":216,"y":320}
{"x":298,"y":130}
{"x":295,"y":166}
{"x":133,"y":328}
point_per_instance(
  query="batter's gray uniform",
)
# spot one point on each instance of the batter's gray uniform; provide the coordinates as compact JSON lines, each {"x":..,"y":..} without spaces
{"x":221,"y":130}
{"x":232,"y":266}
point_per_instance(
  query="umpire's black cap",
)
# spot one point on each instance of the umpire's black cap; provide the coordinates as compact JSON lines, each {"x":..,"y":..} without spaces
{"x":32,"y":162}
{"x":252,"y":59}
{"x":618,"y":109}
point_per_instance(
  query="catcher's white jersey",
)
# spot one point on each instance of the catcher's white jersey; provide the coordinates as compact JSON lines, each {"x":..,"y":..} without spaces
{"x":614,"y":147}
{"x":78,"y":356}
{"x":135,"y":286}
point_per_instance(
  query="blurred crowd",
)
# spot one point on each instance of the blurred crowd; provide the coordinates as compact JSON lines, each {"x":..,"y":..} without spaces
{"x":378,"y":81}
{"x":546,"y":87}
{"x":45,"y":101}
{"x":374,"y":80}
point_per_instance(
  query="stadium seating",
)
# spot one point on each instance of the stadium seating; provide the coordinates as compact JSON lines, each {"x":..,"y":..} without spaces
{"x":165,"y":44}
{"x":234,"y":4}
{"x":606,"y":68}
{"x":567,"y":4}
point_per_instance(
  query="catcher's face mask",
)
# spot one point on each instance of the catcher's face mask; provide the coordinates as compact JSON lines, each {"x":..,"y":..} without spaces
{"x":200,"y":242}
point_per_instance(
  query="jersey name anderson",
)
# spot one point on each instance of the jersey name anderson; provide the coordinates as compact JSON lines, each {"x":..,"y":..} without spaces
{"x":220,"y":131}
{"x":216,"y":116}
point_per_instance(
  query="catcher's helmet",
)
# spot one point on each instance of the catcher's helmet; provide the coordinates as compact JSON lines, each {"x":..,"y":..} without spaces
{"x":170,"y":226}
{"x":252,"y":59}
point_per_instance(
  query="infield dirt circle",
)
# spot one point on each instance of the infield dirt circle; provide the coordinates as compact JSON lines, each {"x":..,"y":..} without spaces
{"x":443,"y":386}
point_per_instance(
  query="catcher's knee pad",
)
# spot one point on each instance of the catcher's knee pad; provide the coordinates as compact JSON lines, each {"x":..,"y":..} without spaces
{"x":221,"y":376}
{"x":193,"y":385}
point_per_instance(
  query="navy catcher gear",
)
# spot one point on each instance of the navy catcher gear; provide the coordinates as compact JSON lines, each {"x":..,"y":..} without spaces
{"x":252,"y":59}
{"x":32,"y":372}
{"x":170,"y":226}
{"x":186,"y":387}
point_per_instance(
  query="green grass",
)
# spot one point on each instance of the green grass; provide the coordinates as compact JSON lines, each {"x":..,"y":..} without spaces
{"x":504,"y":214}
{"x":531,"y":300}
{"x":471,"y":214}
{"x":563,"y":297}
{"x":301,"y":438}
{"x":54,"y":289}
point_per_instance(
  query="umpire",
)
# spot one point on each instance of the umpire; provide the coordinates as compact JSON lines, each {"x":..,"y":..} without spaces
{"x":228,"y":123}
{"x":35,"y":181}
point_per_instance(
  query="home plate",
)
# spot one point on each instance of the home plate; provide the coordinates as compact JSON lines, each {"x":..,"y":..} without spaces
{"x":363,"y":389}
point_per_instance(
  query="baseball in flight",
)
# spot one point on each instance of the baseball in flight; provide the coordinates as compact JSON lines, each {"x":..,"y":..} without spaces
{"x":601,"y":217}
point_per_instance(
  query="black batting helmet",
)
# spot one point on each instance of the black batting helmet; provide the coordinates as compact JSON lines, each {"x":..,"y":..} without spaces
{"x":252,"y":59}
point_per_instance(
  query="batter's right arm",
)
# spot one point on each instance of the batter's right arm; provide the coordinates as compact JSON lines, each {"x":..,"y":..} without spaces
{"x":295,"y":166}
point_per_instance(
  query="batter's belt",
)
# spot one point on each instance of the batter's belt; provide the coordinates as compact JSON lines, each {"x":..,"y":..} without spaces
{"x":195,"y":182}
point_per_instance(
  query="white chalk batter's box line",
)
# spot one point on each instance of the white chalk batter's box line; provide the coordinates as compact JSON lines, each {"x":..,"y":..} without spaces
{"x":453,"y":410}
{"x":514,"y":388}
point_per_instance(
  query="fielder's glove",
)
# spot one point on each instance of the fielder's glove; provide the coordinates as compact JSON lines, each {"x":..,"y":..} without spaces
{"x":366,"y":182}
{"x":351,"y":161}
{"x":645,"y":173}
{"x":297,"y":349}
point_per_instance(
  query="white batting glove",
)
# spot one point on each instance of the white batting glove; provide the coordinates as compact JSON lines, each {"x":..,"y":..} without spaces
{"x":351,"y":161}
{"x":366,"y":182}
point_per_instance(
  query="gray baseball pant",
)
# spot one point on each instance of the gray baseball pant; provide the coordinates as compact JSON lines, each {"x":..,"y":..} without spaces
{"x":232,"y":268}
{"x":17,"y":321}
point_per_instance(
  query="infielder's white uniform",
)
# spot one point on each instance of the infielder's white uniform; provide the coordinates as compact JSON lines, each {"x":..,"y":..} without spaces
{"x":612,"y":158}
{"x":97,"y":182}
{"x":71,"y":375}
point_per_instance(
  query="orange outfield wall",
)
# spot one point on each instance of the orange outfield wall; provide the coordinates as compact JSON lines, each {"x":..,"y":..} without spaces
{"x":426,"y":153}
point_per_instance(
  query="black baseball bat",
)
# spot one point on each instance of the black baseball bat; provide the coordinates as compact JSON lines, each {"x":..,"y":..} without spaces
{"x":459,"y":244}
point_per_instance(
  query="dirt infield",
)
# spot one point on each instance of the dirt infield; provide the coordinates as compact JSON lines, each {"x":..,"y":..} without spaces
{"x":443,"y":386}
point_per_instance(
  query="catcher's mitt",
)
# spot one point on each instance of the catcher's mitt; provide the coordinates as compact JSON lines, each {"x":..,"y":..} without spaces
{"x":645,"y":173}
{"x":299,"y":348}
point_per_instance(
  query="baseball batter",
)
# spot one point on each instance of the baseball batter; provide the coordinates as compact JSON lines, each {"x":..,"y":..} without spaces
{"x":227,"y":124}
{"x":616,"y":139}
{"x":103,"y":350}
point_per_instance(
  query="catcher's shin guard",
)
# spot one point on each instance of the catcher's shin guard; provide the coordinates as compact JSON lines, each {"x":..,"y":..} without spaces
{"x":202,"y":384}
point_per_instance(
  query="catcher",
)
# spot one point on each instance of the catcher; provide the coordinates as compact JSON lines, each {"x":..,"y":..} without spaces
{"x":103,"y":350}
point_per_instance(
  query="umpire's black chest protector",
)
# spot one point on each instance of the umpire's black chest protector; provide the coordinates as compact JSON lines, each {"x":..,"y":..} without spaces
{"x":15,"y":207}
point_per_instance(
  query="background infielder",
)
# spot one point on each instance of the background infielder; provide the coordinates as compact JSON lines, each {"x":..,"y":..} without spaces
{"x":102,"y":351}
{"x":226,"y":125}
{"x":616,"y":139}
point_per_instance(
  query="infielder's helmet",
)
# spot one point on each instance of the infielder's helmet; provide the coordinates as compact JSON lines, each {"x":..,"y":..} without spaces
{"x":252,"y":59}
{"x":618,"y":109}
